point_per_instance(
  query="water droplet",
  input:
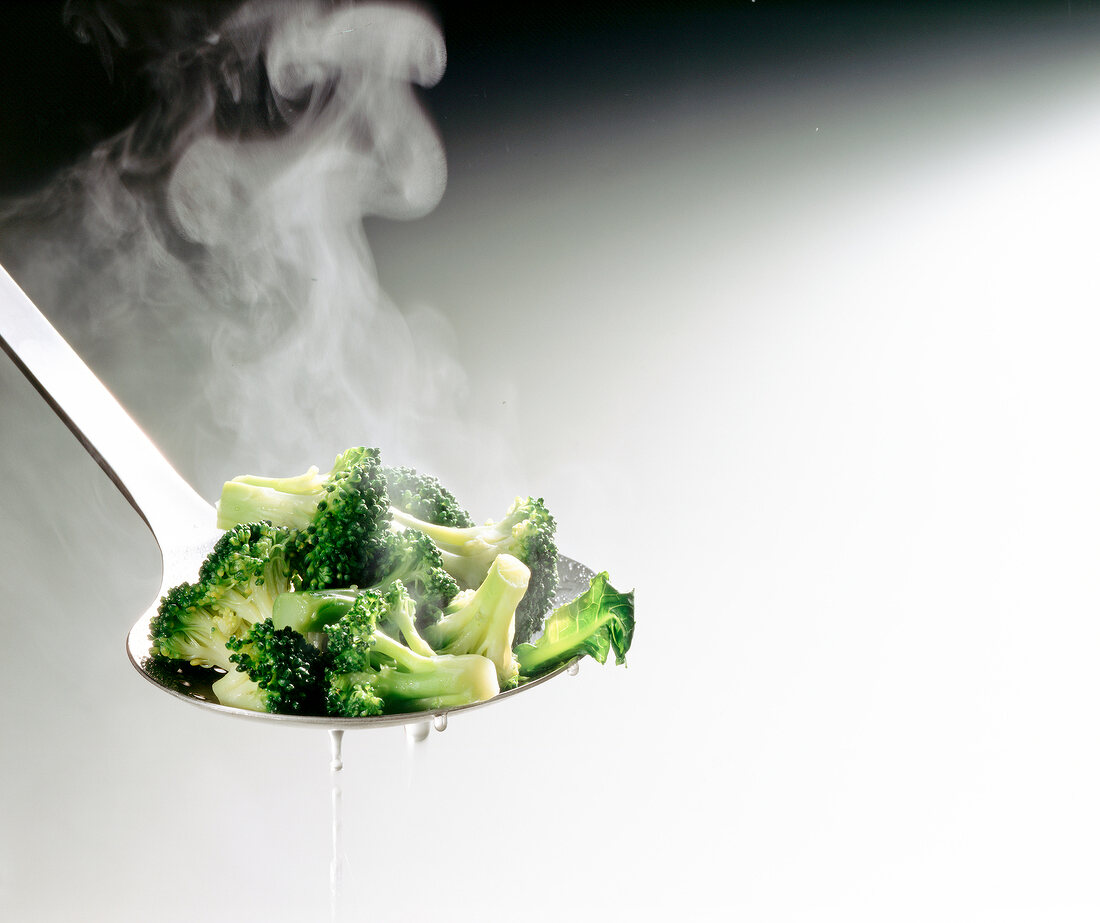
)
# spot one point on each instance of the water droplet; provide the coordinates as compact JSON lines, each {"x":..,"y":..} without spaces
{"x":417,"y":731}
{"x":439,"y":722}
{"x":573,"y":669}
{"x":337,"y":739}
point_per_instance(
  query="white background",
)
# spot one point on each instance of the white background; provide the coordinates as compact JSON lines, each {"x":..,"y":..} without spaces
{"x":810,"y":365}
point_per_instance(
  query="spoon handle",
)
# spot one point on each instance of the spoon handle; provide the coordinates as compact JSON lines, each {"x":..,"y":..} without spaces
{"x":167,"y":503}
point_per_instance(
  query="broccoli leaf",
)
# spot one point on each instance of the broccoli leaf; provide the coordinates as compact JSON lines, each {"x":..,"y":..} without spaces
{"x":598,"y":622}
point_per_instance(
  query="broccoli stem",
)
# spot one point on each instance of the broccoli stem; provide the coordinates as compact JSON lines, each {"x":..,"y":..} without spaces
{"x":238,"y":690}
{"x":309,"y":611}
{"x":483,"y":621}
{"x":432,"y":681}
{"x":284,"y":501}
{"x":466,"y":552}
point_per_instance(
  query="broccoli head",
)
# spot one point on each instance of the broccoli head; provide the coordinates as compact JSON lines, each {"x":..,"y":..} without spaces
{"x":310,"y":612}
{"x":188,"y":626}
{"x":274,"y":670}
{"x":371,"y":673}
{"x":422,"y":496}
{"x":238,"y":584}
{"x":339,"y":517}
{"x":249,"y":566}
{"x":526,"y":532}
{"x":413,"y":558}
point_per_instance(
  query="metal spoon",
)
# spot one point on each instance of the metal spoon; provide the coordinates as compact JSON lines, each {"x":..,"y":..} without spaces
{"x":182,"y":522}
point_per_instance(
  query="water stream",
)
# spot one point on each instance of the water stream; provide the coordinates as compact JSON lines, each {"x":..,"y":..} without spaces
{"x":339,"y":858}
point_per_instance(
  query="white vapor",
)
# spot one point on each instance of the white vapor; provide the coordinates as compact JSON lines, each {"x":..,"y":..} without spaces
{"x":211,"y":264}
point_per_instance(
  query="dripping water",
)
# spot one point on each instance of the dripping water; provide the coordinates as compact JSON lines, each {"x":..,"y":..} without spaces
{"x":416,"y":736}
{"x":339,"y":859}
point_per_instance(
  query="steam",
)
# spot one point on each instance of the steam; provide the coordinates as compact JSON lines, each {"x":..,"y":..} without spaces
{"x":210,"y":263}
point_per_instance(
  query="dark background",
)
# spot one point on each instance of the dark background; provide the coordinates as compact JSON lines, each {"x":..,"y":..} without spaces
{"x":78,"y":72}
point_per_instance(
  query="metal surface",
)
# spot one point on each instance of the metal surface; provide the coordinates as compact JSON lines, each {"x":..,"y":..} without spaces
{"x":182,"y":523}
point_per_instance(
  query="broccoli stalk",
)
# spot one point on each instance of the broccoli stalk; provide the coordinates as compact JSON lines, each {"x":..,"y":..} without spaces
{"x":273,"y":670}
{"x":309,"y":611}
{"x":526,"y":532}
{"x":371,"y":673}
{"x":340,"y":518}
{"x":596,"y":623}
{"x":483,"y":621}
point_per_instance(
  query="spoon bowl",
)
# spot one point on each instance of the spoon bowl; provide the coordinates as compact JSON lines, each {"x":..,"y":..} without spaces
{"x":192,"y":684}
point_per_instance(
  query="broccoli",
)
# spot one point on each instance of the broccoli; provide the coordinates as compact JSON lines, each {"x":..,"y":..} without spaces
{"x":189,"y":627}
{"x":368,"y":591}
{"x":409,"y":557}
{"x":237,"y":586}
{"x":309,"y":612}
{"x":340,"y":518}
{"x":422,"y":496}
{"x":370,"y":673}
{"x":483,"y":621}
{"x":413,"y":558}
{"x":274,"y":670}
{"x":249,"y":566}
{"x":599,"y":621}
{"x":526,"y":531}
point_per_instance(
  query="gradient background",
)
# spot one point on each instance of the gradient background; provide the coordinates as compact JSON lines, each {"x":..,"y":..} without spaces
{"x":790,"y":312}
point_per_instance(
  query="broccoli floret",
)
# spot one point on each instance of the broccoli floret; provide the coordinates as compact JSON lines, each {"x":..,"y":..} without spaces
{"x":526,"y":531}
{"x":422,"y":496}
{"x":310,"y":612}
{"x":483,"y":621}
{"x":408,"y":557}
{"x":238,"y":583}
{"x":250,"y":565}
{"x":371,"y":673}
{"x":598,"y":622}
{"x":190,"y":627}
{"x":340,"y":518}
{"x":413,"y":558}
{"x":273,"y":670}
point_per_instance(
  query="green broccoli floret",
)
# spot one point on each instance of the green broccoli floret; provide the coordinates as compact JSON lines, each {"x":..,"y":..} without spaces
{"x":249,"y":566}
{"x":189,"y":626}
{"x":483,"y":621}
{"x":413,"y":558}
{"x":237,"y":586}
{"x":422,"y":496}
{"x":371,"y":673}
{"x":340,"y":518}
{"x":596,"y":623}
{"x":310,"y":612}
{"x":526,"y":531}
{"x":273,"y":670}
{"x":409,"y":557}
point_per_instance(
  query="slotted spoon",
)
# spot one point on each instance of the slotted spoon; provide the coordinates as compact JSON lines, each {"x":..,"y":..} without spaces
{"x":182,"y":522}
